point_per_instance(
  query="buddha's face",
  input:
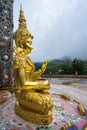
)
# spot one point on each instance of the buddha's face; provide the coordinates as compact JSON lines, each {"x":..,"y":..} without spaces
{"x":29,"y":46}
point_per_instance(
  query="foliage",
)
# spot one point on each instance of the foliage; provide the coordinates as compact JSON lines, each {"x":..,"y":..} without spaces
{"x":77,"y":66}
{"x":64,"y":66}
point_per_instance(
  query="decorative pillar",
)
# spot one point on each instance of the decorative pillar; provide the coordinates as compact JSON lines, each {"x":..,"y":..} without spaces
{"x":6,"y":41}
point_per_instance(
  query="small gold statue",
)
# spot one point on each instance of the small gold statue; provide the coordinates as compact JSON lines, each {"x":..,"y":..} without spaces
{"x":33,"y":103}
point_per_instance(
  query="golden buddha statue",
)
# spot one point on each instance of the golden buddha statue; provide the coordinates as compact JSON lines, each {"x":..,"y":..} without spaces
{"x":33,"y":103}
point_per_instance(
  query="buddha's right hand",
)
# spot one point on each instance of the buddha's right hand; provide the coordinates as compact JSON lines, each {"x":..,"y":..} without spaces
{"x":44,"y":65}
{"x":37,"y":74}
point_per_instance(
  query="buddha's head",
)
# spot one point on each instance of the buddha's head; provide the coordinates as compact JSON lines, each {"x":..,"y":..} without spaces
{"x":23,"y":38}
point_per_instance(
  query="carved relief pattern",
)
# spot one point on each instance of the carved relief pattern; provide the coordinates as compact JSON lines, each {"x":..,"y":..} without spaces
{"x":6,"y":41}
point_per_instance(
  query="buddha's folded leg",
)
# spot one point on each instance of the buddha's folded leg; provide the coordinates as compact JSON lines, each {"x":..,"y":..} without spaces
{"x":33,"y":117}
{"x":40,"y":102}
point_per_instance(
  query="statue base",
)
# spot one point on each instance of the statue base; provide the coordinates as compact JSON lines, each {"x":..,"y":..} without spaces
{"x":33,"y":117}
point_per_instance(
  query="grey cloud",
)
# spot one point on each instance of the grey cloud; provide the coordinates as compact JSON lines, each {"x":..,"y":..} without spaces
{"x":59,"y":27}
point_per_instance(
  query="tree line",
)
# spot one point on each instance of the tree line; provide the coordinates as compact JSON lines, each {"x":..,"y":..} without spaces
{"x":65,"y":66}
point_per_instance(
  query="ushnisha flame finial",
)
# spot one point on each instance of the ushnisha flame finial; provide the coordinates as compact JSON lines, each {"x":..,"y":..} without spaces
{"x":22,"y":20}
{"x":20,"y":6}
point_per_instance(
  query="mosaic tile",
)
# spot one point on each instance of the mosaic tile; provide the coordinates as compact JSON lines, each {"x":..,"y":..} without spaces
{"x":60,"y":116}
{"x":6,"y":31}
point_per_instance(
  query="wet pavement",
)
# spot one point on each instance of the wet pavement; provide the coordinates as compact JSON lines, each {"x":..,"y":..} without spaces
{"x":74,"y":90}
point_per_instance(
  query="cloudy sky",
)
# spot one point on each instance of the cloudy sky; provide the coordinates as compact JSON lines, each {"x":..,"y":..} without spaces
{"x":59,"y":27}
